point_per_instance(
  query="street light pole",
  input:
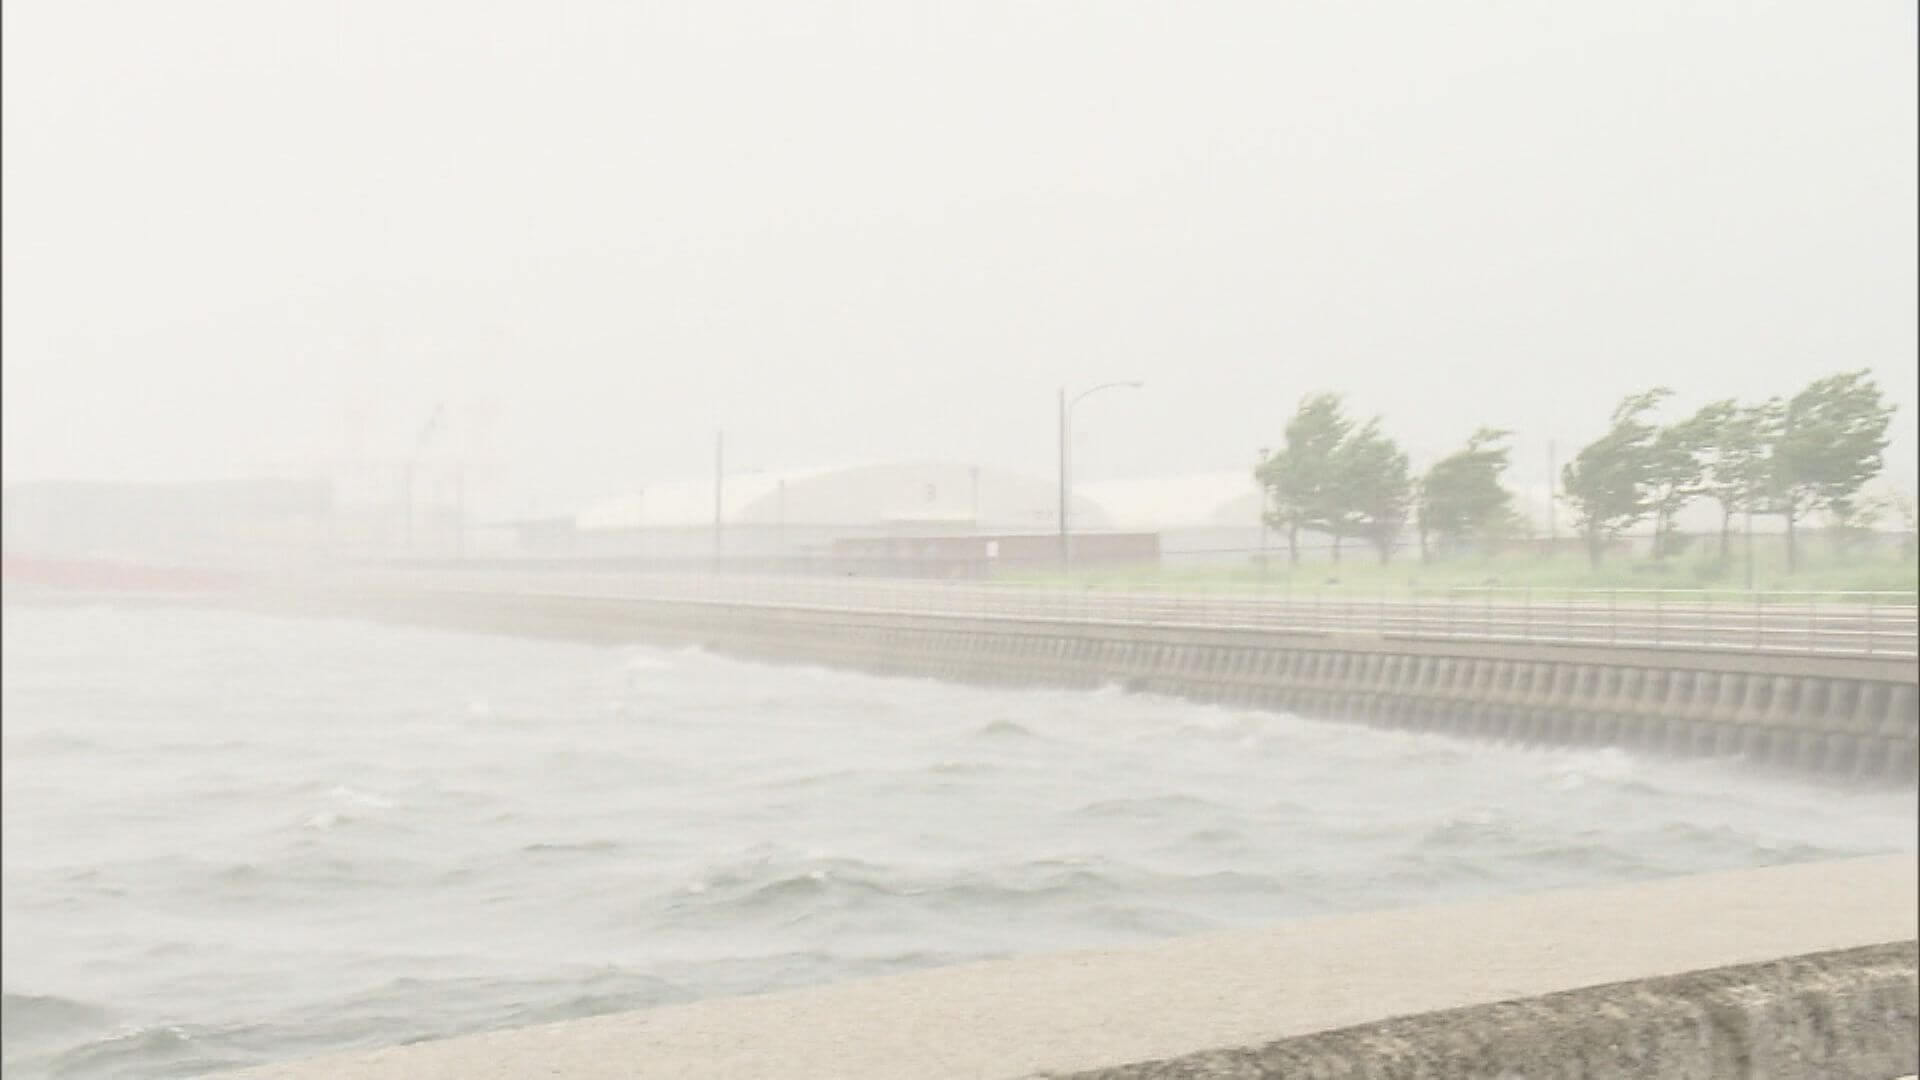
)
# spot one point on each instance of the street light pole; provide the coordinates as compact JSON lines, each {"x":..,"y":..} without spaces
{"x":1749,"y":545}
{"x":1064,"y":558}
{"x":1066,"y":474}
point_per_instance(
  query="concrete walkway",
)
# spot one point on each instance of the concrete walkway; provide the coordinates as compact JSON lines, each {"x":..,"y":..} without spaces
{"x":1786,"y":624}
{"x":1207,"y":999}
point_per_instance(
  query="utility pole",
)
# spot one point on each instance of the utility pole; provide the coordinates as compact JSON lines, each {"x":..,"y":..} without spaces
{"x":1264,"y":496}
{"x":1066,"y":473}
{"x":420,"y":445}
{"x":1553,"y":499}
{"x":1065,"y":559}
{"x":460,"y":510}
{"x":406,"y":507}
{"x":1749,"y":541}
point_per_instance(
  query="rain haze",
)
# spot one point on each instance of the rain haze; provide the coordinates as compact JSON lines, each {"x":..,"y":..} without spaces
{"x":591,"y":522}
{"x":245,"y":236}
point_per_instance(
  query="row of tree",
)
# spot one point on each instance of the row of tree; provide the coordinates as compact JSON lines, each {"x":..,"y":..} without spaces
{"x":1813,"y":452}
{"x":1347,"y":480}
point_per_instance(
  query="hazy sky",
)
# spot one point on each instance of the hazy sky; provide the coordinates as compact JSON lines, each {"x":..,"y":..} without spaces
{"x":236,"y":233}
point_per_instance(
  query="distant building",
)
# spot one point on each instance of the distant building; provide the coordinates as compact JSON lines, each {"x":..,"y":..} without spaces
{"x":1210,"y":517}
{"x":981,"y":556}
{"x":801,"y":514}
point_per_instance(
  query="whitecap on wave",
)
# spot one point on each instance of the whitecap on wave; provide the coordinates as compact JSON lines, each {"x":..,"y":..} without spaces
{"x":1610,"y":765}
{"x":355,"y":797}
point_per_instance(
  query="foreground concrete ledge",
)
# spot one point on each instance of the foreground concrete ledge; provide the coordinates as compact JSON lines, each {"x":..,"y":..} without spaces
{"x":1807,"y":968}
{"x":1828,"y":1015}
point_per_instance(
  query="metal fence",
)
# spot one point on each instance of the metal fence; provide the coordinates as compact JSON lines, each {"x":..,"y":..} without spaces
{"x":1826,"y":623}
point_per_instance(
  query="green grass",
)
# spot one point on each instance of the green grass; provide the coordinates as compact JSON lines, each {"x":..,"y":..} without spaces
{"x":1821,"y":570}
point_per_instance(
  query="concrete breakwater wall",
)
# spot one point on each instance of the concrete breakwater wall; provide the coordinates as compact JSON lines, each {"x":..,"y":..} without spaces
{"x":1847,"y":716}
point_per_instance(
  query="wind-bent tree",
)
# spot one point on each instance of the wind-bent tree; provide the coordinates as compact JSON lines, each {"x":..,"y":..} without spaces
{"x":1302,"y":477}
{"x":1852,"y":520}
{"x":1374,"y":490}
{"x":1675,"y":477}
{"x":1905,"y":513}
{"x":1462,"y":501}
{"x":1829,"y":444}
{"x":1734,"y":443}
{"x":1607,"y":483}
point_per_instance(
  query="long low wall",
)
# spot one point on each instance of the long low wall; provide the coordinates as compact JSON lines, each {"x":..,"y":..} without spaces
{"x":1855,"y":717}
{"x":1786,"y":972}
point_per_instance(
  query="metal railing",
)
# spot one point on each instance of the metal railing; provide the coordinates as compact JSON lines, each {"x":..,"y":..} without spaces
{"x":1806,"y":623}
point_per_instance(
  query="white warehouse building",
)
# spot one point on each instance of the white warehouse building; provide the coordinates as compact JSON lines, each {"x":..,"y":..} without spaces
{"x":801,"y":512}
{"x":1201,"y":517}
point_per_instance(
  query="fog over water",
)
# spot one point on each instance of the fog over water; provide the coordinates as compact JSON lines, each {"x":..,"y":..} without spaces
{"x":233,"y":838}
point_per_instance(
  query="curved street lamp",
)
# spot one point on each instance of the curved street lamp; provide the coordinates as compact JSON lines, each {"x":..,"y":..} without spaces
{"x":1066,"y":480}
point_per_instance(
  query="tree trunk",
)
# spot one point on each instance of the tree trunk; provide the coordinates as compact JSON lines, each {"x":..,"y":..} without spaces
{"x":1293,"y":545}
{"x":1663,"y":531}
{"x":1726,"y":532}
{"x":1793,"y":543}
{"x":1594,"y":548}
{"x":1336,"y":549}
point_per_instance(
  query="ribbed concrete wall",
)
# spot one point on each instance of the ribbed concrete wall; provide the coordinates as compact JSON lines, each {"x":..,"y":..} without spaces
{"x":1853,"y":717}
{"x":1786,"y":972}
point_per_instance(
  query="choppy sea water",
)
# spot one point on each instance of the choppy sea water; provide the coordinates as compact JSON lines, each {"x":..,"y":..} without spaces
{"x":232,"y":839}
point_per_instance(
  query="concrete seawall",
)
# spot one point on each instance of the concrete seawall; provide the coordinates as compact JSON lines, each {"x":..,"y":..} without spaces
{"x":1801,"y":971}
{"x":1845,"y":716}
